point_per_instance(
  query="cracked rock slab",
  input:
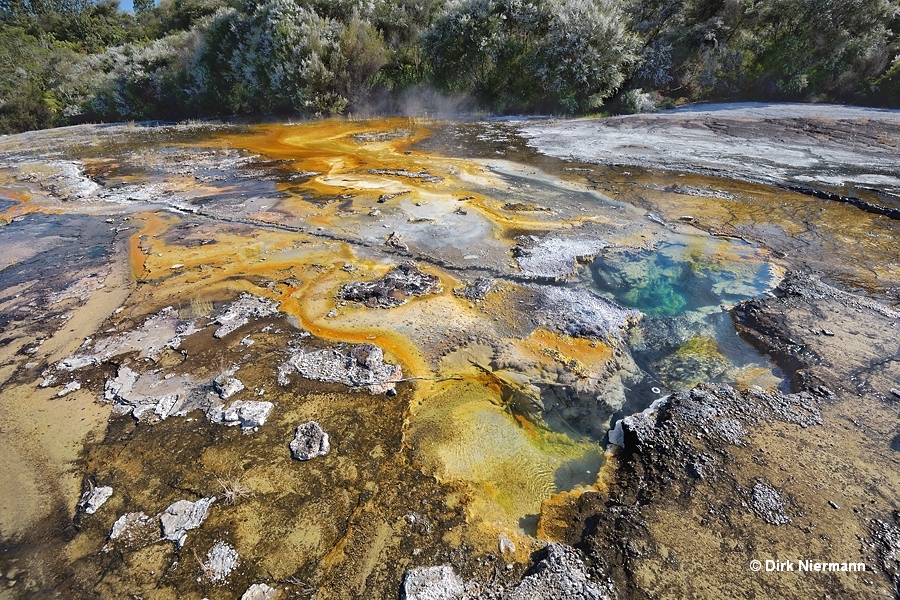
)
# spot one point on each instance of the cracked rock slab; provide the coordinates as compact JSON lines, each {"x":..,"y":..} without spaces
{"x":145,"y":396}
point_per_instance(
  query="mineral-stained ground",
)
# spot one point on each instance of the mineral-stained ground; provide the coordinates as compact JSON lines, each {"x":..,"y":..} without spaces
{"x":641,"y":357}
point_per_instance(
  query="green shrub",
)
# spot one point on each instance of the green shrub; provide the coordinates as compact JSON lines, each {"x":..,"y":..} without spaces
{"x":566,"y":55}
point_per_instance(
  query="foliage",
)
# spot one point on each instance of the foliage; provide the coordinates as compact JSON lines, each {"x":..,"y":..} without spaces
{"x":64,"y":61}
{"x":780,"y":49}
{"x":29,"y":72}
{"x":548,"y":54}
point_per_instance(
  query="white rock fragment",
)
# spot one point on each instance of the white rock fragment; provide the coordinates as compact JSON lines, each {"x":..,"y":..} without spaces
{"x":94,"y":498}
{"x":120,"y":385}
{"x":73,"y":363}
{"x":432,"y":583}
{"x":221,"y":561}
{"x":68,"y":389}
{"x":362,"y":367}
{"x":261,"y":591}
{"x":227,"y":387}
{"x":239,"y":313}
{"x":249,"y":414}
{"x":310,"y":441}
{"x":506,"y":544}
{"x":183,"y":516}
{"x":126,"y":522}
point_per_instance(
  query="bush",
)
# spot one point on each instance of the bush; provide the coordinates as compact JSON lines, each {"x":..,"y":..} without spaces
{"x":30,"y":71}
{"x":784,"y":49}
{"x":556,"y":55}
{"x":134,"y":81}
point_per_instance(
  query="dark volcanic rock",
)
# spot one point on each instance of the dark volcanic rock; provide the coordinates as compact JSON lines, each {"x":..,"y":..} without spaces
{"x":887,"y":548}
{"x":394,"y":289}
{"x":718,"y":413}
{"x":685,"y":443}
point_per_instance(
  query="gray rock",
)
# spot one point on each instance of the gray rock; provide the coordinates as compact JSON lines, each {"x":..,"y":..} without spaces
{"x":227,"y":386}
{"x":394,"y":289}
{"x":310,"y":441}
{"x":432,"y":583}
{"x":249,"y":414}
{"x":422,"y":175}
{"x":220,"y":561}
{"x":94,"y":498}
{"x":261,"y":591}
{"x":554,"y":259}
{"x":886,"y":542}
{"x":241,"y":311}
{"x":561,"y":575}
{"x":581,"y":313}
{"x":395,"y":240}
{"x":362,"y":367}
{"x":477,"y":290}
{"x":183,"y":516}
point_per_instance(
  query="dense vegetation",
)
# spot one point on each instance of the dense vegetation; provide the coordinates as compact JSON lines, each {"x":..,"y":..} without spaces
{"x":67,"y":61}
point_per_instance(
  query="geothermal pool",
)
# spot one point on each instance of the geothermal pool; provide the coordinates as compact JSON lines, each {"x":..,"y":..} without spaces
{"x":463,"y":315}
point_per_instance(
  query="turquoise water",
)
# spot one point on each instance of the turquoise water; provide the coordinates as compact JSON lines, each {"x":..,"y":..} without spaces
{"x":688,"y":273}
{"x":685,"y":287}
